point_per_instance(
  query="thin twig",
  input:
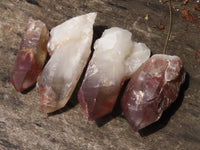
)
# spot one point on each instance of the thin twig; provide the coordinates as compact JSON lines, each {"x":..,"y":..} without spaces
{"x":170,"y":28}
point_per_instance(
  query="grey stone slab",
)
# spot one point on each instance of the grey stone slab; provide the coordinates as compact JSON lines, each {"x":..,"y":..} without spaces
{"x":22,"y":126}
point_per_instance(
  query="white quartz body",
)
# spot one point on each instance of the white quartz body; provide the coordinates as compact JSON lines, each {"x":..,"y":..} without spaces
{"x":70,"y":46}
{"x":116,"y":57}
{"x":76,"y":28}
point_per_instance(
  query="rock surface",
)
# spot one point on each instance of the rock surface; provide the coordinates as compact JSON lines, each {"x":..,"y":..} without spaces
{"x":23,"y":127}
{"x":152,"y":89}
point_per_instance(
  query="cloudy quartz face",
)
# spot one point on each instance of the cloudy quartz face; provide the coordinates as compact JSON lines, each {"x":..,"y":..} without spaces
{"x":70,"y":47}
{"x":115,"y":59}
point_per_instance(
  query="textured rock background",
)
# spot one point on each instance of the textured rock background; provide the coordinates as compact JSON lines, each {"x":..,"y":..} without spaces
{"x":22,"y":126}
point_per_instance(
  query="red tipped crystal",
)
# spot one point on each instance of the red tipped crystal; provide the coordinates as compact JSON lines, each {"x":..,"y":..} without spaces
{"x":31,"y":56}
{"x":99,"y":101}
{"x":115,"y":58}
{"x":152,"y":88}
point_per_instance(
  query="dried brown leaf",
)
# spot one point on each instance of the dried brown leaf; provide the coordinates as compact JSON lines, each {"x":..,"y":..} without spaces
{"x":185,"y":13}
{"x":161,"y":26}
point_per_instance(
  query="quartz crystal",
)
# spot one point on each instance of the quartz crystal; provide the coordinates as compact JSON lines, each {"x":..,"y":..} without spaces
{"x":70,"y":45}
{"x":152,"y":88}
{"x":31,"y":56}
{"x":76,"y":28}
{"x":115,"y":58}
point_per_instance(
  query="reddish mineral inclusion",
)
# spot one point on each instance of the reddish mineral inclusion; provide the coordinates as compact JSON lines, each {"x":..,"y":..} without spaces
{"x":99,"y":101}
{"x":31,"y":56}
{"x":115,"y":58}
{"x":152,"y":88}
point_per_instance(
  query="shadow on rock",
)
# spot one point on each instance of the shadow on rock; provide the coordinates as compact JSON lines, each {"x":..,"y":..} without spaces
{"x":162,"y":122}
{"x":29,"y":89}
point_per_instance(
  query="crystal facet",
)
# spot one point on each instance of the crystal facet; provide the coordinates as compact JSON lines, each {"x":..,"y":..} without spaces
{"x":115,"y":58}
{"x":70,"y":46}
{"x":31,"y":56}
{"x":76,"y":28}
{"x":152,"y":88}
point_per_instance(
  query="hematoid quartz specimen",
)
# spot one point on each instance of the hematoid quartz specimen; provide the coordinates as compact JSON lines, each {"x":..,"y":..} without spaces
{"x":115,"y":58}
{"x":70,"y":46}
{"x":154,"y":85}
{"x":31,"y":56}
{"x":152,"y":88}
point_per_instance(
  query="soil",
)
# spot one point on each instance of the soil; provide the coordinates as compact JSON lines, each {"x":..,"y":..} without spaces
{"x":23,"y":126}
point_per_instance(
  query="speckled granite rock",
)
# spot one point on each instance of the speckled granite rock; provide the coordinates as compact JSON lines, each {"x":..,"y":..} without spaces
{"x":22,"y":126}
